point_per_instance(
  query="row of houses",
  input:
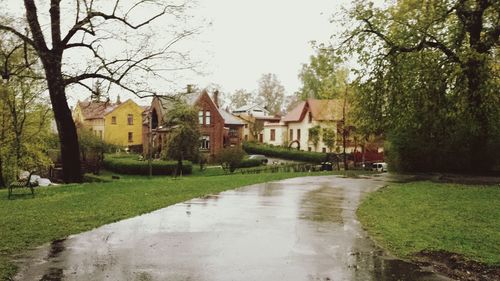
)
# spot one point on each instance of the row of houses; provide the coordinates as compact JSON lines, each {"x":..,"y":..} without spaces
{"x":131,"y":125}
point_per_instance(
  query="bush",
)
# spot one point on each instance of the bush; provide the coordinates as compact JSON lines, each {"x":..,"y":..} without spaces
{"x":284,"y":153}
{"x":230,"y":158}
{"x":248,"y":163}
{"x":130,"y":164}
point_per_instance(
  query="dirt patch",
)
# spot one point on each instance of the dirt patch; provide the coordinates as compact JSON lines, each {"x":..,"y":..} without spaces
{"x":456,"y":266}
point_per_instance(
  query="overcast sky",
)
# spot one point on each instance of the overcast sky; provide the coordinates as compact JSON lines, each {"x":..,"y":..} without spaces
{"x":248,"y":38}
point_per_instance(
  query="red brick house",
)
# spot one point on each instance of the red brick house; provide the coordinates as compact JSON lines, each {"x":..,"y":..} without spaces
{"x":218,"y":127}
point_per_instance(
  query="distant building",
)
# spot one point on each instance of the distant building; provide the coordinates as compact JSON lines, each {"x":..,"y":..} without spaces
{"x":293,"y":129}
{"x":117,"y":123}
{"x":252,"y":110}
{"x":254,"y":116}
{"x":218,"y":127}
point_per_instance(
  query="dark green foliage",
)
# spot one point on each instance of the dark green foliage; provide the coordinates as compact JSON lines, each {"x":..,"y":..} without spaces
{"x":248,"y":163}
{"x":130,"y":164}
{"x":230,"y":158}
{"x":433,"y":94}
{"x":284,"y":153}
{"x":184,"y":136}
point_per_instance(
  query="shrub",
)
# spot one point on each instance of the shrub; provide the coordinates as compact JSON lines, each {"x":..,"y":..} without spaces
{"x":230,"y":158}
{"x":130,"y":164}
{"x":284,"y":153}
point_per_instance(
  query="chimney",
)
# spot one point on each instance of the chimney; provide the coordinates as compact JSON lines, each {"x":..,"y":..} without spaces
{"x":216,"y":98}
{"x":118,"y":101}
{"x":189,"y":88}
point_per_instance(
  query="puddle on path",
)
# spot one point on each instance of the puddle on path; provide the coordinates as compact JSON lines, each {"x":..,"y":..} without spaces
{"x":296,"y":229}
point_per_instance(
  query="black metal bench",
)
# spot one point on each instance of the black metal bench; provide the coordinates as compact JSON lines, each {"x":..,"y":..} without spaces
{"x":23,"y":183}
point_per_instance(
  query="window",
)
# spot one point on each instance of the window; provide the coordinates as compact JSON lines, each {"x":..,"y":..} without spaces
{"x":298,"y":134}
{"x":113,"y":119}
{"x":205,"y":142}
{"x":309,"y":148}
{"x":323,"y":150}
{"x":291,"y":134}
{"x":130,"y":119}
{"x":200,"y":117}
{"x":100,"y":134}
{"x":130,"y":137}
{"x":233,"y":132}
{"x":310,"y":117}
{"x":246,"y":126}
{"x":246,"y":137}
{"x":273,"y":134}
{"x":207,"y":117}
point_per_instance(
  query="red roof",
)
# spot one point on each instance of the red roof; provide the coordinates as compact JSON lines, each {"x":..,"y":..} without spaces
{"x":321,"y":110}
{"x":95,"y":109}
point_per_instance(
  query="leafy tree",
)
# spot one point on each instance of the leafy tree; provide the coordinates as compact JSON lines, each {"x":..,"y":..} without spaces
{"x":92,"y":149}
{"x":314,"y":135}
{"x":329,"y":138}
{"x":429,"y":80}
{"x":88,"y":37}
{"x":240,"y":98}
{"x":230,"y":158}
{"x":184,"y":137}
{"x":271,"y":92}
{"x":319,"y":77}
{"x":24,"y":119}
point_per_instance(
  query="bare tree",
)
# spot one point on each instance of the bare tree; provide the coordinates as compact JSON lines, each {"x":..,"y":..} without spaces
{"x":271,"y":92}
{"x":240,"y":98}
{"x":101,"y":31}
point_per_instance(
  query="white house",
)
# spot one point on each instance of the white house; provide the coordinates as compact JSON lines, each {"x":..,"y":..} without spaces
{"x":294,"y":128}
{"x":254,"y":110}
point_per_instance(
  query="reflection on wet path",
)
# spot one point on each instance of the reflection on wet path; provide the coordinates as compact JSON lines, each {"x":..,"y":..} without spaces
{"x":297,"y":229}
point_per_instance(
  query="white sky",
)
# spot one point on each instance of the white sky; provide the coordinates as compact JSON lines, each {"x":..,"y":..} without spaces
{"x":248,"y":38}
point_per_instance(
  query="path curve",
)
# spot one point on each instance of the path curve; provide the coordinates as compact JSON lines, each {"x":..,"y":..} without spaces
{"x":295,"y":229}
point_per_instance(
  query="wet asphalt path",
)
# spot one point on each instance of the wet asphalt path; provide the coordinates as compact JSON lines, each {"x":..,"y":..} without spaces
{"x":296,"y":229}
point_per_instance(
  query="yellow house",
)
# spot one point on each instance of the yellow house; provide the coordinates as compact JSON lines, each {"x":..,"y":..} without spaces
{"x":116,"y":123}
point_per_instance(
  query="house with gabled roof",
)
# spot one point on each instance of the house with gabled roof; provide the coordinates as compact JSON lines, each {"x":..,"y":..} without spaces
{"x":118,"y":123}
{"x":294,"y":128}
{"x":218,"y":127}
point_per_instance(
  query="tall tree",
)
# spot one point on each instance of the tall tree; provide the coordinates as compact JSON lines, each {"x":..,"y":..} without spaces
{"x":240,"y":98}
{"x":24,"y":116}
{"x":271,"y":92}
{"x":94,"y":28}
{"x":430,"y":80}
{"x":184,"y":136}
{"x":319,"y":76}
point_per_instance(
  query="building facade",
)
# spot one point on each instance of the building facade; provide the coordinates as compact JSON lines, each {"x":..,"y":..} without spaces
{"x":218,"y":127}
{"x":116,"y":123}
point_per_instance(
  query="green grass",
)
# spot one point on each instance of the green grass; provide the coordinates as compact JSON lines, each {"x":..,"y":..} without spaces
{"x":57,"y":212}
{"x":408,"y":218}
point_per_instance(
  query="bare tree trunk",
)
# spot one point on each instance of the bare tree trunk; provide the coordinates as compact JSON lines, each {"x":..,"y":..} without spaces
{"x":70,"y":150}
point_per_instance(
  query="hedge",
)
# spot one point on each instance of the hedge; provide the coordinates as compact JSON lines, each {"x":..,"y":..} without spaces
{"x":249,"y":163}
{"x":130,"y":164}
{"x":284,"y":153}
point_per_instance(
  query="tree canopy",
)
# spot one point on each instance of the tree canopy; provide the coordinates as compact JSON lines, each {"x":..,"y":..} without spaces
{"x":429,"y":80}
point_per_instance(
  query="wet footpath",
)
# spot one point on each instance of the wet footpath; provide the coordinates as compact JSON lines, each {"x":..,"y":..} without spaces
{"x":296,"y":229}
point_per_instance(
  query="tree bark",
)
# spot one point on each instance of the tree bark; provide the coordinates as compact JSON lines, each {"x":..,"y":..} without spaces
{"x":68,"y":138}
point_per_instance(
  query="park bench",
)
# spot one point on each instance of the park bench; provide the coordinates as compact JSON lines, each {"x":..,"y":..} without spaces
{"x":23,"y":183}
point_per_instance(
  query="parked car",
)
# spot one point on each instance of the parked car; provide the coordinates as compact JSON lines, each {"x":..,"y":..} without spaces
{"x":379,"y":167}
{"x":260,"y":157}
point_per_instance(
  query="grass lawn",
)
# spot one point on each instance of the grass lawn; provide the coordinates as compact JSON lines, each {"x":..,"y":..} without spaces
{"x":57,"y":212}
{"x":408,"y":218}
